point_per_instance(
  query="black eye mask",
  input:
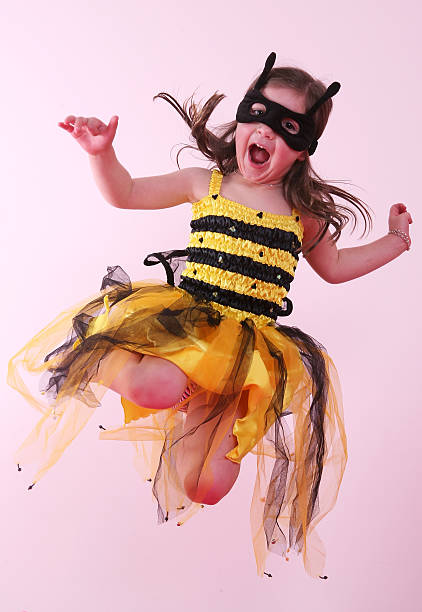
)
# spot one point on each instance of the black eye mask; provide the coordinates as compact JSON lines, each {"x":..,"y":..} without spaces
{"x":300,"y":133}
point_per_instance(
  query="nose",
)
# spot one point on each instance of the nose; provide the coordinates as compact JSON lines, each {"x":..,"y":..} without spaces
{"x":265,"y":131}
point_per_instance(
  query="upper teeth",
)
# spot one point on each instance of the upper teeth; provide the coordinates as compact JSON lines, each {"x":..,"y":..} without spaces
{"x":259,"y":146}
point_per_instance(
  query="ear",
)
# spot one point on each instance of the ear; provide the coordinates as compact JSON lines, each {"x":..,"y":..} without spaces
{"x":302,"y":156}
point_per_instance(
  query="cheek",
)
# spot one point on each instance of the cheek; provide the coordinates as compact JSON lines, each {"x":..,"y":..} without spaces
{"x":242,"y":135}
{"x":285,"y":152}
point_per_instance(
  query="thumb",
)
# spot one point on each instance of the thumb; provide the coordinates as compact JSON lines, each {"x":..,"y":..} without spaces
{"x":112,"y":126}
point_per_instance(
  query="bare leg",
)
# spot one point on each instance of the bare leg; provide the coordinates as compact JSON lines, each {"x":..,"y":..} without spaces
{"x":208,"y":485}
{"x":146,"y":380}
{"x":153,"y":382}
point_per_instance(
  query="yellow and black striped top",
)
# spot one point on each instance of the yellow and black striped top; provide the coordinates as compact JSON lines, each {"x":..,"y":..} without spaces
{"x":240,"y":259}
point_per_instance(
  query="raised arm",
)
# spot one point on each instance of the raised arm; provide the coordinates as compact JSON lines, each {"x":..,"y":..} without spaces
{"x":341,"y":265}
{"x":122,"y":191}
{"x":114,"y":181}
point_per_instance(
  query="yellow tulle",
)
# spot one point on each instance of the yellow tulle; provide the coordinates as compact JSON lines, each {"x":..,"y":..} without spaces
{"x":206,"y":354}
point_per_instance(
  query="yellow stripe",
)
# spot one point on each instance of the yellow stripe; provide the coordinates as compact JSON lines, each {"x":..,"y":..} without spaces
{"x":239,"y":246}
{"x":228,"y":208}
{"x":233,"y":281}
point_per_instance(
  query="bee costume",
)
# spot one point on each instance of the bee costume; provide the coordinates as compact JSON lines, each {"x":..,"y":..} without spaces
{"x":216,"y":319}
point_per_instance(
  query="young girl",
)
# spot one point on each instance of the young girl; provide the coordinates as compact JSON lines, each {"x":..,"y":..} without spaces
{"x":205,"y":372}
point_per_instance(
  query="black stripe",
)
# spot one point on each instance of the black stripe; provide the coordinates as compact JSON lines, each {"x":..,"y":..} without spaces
{"x":225,"y":297}
{"x":274,"y":238}
{"x":240,"y":264}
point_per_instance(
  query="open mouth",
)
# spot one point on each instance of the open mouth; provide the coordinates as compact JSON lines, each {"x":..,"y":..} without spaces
{"x":258,"y":155}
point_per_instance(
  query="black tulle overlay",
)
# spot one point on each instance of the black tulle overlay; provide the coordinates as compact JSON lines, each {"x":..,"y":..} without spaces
{"x":274,"y":388}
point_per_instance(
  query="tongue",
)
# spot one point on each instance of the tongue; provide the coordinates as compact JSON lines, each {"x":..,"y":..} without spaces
{"x":259,"y":156}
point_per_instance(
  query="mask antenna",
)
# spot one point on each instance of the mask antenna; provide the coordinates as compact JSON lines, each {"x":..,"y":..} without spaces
{"x":263,"y":77}
{"x":330,"y":92}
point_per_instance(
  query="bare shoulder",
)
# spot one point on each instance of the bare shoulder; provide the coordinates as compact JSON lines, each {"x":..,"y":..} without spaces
{"x":200,"y":183}
{"x":196,"y":181}
{"x":311,"y":228}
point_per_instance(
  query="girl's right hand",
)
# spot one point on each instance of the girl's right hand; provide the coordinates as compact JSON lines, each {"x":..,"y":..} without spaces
{"x":93,"y":135}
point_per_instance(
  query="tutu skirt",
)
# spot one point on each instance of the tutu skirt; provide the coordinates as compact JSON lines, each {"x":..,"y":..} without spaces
{"x":282,"y":381}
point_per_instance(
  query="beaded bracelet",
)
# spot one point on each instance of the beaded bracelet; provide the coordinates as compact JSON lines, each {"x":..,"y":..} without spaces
{"x":401,"y":235}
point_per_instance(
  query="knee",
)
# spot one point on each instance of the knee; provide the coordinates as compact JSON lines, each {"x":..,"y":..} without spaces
{"x":159,"y":385}
{"x":211,"y":489}
{"x":204,"y":492}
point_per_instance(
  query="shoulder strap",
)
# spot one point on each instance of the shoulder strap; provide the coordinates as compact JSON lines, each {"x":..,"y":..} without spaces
{"x":215,"y":182}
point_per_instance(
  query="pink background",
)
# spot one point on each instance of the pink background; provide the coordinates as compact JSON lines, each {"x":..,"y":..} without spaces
{"x":86,"y":537}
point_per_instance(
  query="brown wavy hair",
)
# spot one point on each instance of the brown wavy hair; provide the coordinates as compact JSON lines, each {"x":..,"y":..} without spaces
{"x":301,"y":186}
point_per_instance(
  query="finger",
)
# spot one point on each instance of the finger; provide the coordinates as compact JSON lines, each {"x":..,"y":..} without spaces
{"x":405,"y":215}
{"x":101,"y":127}
{"x":397,"y":209}
{"x":79,"y":124}
{"x":94,"y":125}
{"x":65,"y":126}
{"x":70,"y":119}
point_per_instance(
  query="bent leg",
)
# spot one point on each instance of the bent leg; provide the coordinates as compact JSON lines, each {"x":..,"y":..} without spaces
{"x":210,"y":482}
{"x":145,"y":380}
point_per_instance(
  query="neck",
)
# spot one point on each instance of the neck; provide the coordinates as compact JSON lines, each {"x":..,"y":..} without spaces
{"x":266,"y":186}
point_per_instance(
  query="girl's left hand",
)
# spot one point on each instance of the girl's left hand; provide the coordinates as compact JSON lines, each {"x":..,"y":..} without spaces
{"x":399,"y":218}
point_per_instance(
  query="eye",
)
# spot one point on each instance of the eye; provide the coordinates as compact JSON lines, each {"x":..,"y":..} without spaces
{"x":257,"y":109}
{"x":290,"y":126}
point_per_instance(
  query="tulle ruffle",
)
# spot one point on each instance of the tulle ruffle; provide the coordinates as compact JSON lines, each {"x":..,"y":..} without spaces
{"x":278,"y":378}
